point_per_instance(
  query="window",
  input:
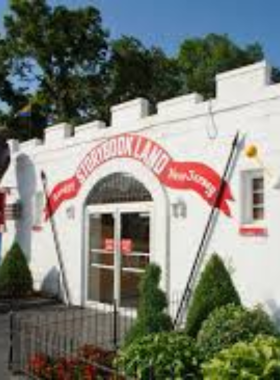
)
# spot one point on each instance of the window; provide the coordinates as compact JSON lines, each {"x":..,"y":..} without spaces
{"x":253,"y":197}
{"x":13,"y":211}
{"x":118,"y":188}
{"x":257,"y":198}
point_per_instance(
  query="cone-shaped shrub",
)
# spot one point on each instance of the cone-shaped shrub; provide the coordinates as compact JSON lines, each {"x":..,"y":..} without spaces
{"x":214,"y":289}
{"x":15,"y":276}
{"x":151,"y":315}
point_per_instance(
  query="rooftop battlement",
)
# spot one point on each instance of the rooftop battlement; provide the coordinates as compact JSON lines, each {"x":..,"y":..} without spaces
{"x":238,"y":87}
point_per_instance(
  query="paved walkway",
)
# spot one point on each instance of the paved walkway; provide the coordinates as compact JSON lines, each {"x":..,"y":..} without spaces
{"x":4,"y":346}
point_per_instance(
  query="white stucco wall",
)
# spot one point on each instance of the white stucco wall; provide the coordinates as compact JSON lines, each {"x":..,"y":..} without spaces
{"x":189,"y":129}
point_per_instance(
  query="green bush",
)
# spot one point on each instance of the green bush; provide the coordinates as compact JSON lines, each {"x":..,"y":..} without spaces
{"x":168,"y":354}
{"x":15,"y":276}
{"x":257,"y":360}
{"x":215,"y":289}
{"x":151,"y":315}
{"x":231,"y":324}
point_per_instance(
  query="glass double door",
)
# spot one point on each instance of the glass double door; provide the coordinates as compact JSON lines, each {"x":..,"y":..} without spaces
{"x":119,"y":249}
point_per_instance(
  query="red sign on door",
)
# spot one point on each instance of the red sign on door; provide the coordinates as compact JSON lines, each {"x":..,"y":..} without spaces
{"x":126,"y":246}
{"x":109,"y":244}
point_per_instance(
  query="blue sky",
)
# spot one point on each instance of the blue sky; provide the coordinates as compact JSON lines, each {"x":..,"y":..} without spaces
{"x":166,"y":23}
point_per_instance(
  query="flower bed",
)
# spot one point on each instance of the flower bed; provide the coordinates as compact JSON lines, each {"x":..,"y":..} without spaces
{"x":88,"y":363}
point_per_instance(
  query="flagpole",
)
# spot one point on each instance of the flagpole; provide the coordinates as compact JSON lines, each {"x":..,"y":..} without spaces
{"x":56,"y":241}
{"x":184,"y":302}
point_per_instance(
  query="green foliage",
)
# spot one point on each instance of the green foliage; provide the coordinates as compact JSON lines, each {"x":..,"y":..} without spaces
{"x":136,"y":71}
{"x":15,"y":276}
{"x":215,"y":289}
{"x":7,"y":92}
{"x":230,"y":324}
{"x":170,"y":354}
{"x":64,"y":68}
{"x":61,"y":53}
{"x":151,"y":317}
{"x":275,"y":74}
{"x":202,"y":58}
{"x":257,"y":360}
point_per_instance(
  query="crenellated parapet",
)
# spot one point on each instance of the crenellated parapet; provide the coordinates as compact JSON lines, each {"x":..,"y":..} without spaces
{"x":234,"y":88}
{"x":243,"y":83}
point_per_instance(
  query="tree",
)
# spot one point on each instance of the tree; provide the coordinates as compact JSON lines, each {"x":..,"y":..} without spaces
{"x":58,"y":54}
{"x":6,"y":89}
{"x":214,"y":289}
{"x":15,"y":276}
{"x":59,"y":61}
{"x":151,"y":315}
{"x":202,"y":58}
{"x":165,"y":81}
{"x":136,"y":71}
{"x":10,"y":97}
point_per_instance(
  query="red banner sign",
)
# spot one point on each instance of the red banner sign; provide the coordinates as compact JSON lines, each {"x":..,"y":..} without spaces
{"x":109,"y":244}
{"x":193,"y":176}
{"x":126,"y":246}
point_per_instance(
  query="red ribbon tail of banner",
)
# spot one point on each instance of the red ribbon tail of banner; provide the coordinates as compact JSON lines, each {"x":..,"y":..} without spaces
{"x":226,"y":197}
{"x":199,"y":178}
{"x":224,"y":207}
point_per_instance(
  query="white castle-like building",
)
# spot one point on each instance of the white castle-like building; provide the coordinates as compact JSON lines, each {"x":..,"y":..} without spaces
{"x":142,"y":190}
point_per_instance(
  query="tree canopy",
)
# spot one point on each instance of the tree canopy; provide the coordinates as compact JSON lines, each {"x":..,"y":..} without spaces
{"x":57,"y":56}
{"x":202,"y":58}
{"x":136,"y":71}
{"x":62,"y":65}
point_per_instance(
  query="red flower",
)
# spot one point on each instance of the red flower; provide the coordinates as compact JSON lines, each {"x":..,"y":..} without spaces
{"x":90,"y":372}
{"x":37,"y":363}
{"x":81,"y":366}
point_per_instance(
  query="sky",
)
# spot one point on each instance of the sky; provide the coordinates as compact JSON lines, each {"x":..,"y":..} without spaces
{"x":166,"y":23}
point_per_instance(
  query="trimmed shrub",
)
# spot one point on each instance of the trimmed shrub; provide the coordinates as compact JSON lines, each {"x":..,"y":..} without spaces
{"x":15,"y":276}
{"x":231,"y":324}
{"x":259,"y":359}
{"x":164,"y":355}
{"x":151,"y":317}
{"x":215,"y":289}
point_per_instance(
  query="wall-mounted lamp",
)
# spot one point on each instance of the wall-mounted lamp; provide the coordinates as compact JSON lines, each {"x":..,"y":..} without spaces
{"x":251,"y":151}
{"x":70,"y":212}
{"x":179,"y":209}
